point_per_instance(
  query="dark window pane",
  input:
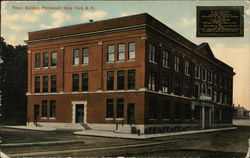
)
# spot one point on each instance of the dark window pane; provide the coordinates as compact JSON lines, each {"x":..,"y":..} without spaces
{"x":152,"y":81}
{"x":45,"y":84}
{"x":111,"y":54}
{"x":53,"y":83}
{"x":52,"y":110}
{"x":110,"y":80}
{"x":110,"y":108}
{"x":45,"y":59}
{"x":85,"y":80}
{"x":85,"y":56}
{"x":121,"y":52}
{"x":37,"y":84}
{"x":75,"y":82}
{"x":152,"y":109}
{"x":165,"y":110}
{"x":131,"y":79}
{"x":120,"y":80}
{"x":44,"y":108}
{"x":119,"y":108}
{"x":53,"y":59}
{"x":37,"y":60}
{"x":76,"y":57}
{"x":131,"y":51}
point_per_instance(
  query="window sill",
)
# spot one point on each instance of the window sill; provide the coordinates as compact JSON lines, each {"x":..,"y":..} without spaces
{"x":165,"y":119}
{"x":76,"y":65}
{"x":109,"y":119}
{"x":152,"y":62}
{"x":38,"y":68}
{"x":45,"y":67}
{"x":197,"y":77}
{"x":44,"y":118}
{"x":121,"y":61}
{"x":131,"y":60}
{"x":53,"y":67}
{"x":110,"y":62}
{"x":177,"y":119}
{"x":120,"y":119}
{"x":52,"y":118}
{"x":187,"y":74}
{"x":166,"y":66}
{"x":85,"y":64}
{"x":152,"y":119}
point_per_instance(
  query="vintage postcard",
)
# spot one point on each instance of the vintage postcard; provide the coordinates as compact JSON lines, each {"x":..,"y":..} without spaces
{"x":125,"y":79}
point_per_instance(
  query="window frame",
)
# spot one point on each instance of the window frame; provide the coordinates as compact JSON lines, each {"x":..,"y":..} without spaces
{"x":75,"y":56}
{"x":85,"y":81}
{"x":152,"y":52}
{"x":121,"y":52}
{"x":110,"y":80}
{"x":131,"y":51}
{"x":53,"y":61}
{"x":52,"y":109}
{"x":75,"y":83}
{"x":152,"y":81}
{"x":45,"y":60}
{"x":131,"y":79}
{"x":110,"y":54}
{"x":85,"y":56}
{"x":109,"y":110}
{"x":53,"y":83}
{"x":120,"y":80}
{"x":37,"y":61}
{"x":177,"y":63}
{"x":44,"y":109}
{"x":37,"y":83}
{"x":120,"y":110}
{"x":45,"y":84}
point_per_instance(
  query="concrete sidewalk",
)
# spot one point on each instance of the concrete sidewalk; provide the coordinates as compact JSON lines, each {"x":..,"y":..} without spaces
{"x":144,"y":136}
{"x":33,"y":128}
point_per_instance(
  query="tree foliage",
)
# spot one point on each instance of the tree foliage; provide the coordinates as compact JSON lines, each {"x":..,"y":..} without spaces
{"x":13,"y":83}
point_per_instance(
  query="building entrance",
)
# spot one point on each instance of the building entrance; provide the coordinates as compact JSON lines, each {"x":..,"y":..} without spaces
{"x":79,"y":113}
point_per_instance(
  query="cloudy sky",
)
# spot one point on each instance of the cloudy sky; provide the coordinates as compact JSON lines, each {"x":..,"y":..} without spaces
{"x":17,"y":21}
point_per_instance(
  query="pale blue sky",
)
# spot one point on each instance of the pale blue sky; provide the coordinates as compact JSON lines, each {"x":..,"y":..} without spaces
{"x":178,"y":15}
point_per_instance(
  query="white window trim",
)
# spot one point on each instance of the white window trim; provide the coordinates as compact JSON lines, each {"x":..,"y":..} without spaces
{"x":74,"y":112}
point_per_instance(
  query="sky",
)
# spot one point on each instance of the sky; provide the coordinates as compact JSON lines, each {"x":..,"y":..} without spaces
{"x":20,"y":17}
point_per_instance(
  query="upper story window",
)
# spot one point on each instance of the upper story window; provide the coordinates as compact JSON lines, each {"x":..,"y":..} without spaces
{"x":85,"y":82}
{"x":165,"y":83}
{"x":53,"y":58}
{"x":85,"y":56}
{"x":215,"y":79}
{"x":45,"y":84}
{"x":131,"y":51}
{"x":187,"y":67}
{"x":131,"y":79}
{"x":37,"y":84}
{"x":75,"y":82}
{"x":177,"y":86}
{"x":186,"y":89}
{"x":76,"y":56}
{"x":177,"y":63}
{"x":209,"y":76}
{"x":111,"y":53}
{"x":152,"y":81}
{"x":197,"y":71}
{"x":121,"y":52}
{"x":110,"y":108}
{"x":110,"y":80}
{"x":209,"y":91}
{"x":120,"y":80}
{"x":37,"y":60}
{"x":220,"y":80}
{"x":203,"y":74}
{"x":152,"y":52}
{"x":196,"y":90}
{"x":215,"y":96}
{"x":45,"y":59}
{"x":53,"y":83}
{"x":165,"y":59}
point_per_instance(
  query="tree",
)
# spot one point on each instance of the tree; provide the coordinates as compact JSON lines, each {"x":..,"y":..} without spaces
{"x":13,"y":83}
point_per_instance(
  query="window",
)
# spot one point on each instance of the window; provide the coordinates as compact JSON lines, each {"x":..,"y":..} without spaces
{"x":220,"y":98}
{"x":196,"y":90}
{"x":131,"y":51}
{"x":45,"y":84}
{"x":76,"y":57}
{"x":110,"y":108}
{"x":121,"y":52}
{"x":215,"y":79}
{"x":75,"y":82}
{"x":165,"y":83}
{"x":209,"y":76}
{"x":45,"y":59}
{"x":44,"y":108}
{"x":197,"y":71}
{"x":151,"y":81}
{"x":197,"y":111}
{"x":177,"y":86}
{"x":131,"y":79}
{"x":225,"y":99}
{"x":215,"y":96}
{"x":187,"y":68}
{"x":203,"y":89}
{"x":110,"y":80}
{"x":120,"y":80}
{"x":152,"y":109}
{"x":220,"y":81}
{"x":37,"y":84}
{"x":203,"y":74}
{"x":52,"y":110}
{"x":152,"y":52}
{"x":85,"y":82}
{"x":209,"y":91}
{"x":53,"y":58}
{"x":186,"y":89}
{"x":111,"y":54}
{"x":53,"y":83}
{"x":177,"y":63}
{"x":188,"y":111}
{"x":37,"y":60}
{"x":165,"y":59}
{"x":85,"y":56}
{"x":177,"y":111}
{"x":165,"y":110}
{"x":119,"y":108}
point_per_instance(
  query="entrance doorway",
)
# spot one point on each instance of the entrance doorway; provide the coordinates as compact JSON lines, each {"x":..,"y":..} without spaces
{"x":79,"y":113}
{"x":130,"y":113}
{"x":36,"y":113}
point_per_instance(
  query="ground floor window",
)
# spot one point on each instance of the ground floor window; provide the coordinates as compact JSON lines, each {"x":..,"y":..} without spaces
{"x":119,"y":108}
{"x":166,"y":109}
{"x":44,"y":108}
{"x":110,"y":108}
{"x":152,"y":109}
{"x":188,"y":113}
{"x":52,"y":110}
{"x":197,"y":112}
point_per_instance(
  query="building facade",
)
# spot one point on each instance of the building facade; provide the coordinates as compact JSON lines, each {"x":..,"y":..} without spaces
{"x":126,"y":72}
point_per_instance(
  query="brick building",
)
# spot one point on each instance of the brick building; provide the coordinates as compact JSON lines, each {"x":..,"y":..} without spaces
{"x":123,"y":72}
